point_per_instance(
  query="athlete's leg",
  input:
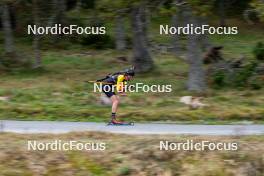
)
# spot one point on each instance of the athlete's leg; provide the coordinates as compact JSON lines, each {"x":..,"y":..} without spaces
{"x":115,"y":103}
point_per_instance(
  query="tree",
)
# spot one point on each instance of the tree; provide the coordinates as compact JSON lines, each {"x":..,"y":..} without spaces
{"x":7,"y":28}
{"x":177,"y":20}
{"x":222,"y":12}
{"x":58,"y":12}
{"x":204,"y":39}
{"x":78,"y":5}
{"x":120,"y":33}
{"x":176,"y":40}
{"x":196,"y":78}
{"x":258,"y":6}
{"x":136,"y":9}
{"x":195,"y":13}
{"x":116,"y":11}
{"x":36,"y":40}
{"x":192,"y":12}
{"x":141,"y":56}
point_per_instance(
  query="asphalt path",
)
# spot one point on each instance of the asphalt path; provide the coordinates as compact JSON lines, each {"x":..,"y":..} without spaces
{"x":138,"y":128}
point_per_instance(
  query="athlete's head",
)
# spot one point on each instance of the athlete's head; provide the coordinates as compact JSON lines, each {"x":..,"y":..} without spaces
{"x":129,"y":74}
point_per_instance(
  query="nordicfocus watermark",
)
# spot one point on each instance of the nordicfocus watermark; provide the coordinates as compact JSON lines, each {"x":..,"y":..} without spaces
{"x":65,"y":145}
{"x":190,"y":145}
{"x":58,"y":29}
{"x":191,"y":29}
{"x":137,"y":87}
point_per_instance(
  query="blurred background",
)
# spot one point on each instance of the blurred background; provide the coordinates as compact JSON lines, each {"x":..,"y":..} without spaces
{"x":43,"y":77}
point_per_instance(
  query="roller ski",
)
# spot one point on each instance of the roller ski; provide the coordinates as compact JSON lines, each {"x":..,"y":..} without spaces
{"x":118,"y":123}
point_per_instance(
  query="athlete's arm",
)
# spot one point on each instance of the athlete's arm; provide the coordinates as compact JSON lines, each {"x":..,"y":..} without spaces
{"x":120,"y":85}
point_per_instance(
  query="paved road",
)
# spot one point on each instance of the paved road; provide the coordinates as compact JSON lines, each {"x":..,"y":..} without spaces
{"x":141,"y":128}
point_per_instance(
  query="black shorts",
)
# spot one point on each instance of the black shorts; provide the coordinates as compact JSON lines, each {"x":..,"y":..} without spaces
{"x":109,"y":93}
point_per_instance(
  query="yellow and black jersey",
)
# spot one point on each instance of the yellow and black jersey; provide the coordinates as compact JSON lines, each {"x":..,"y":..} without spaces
{"x":118,"y":80}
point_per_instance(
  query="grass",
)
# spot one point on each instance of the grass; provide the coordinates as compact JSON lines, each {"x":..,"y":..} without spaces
{"x":142,"y":157}
{"x":59,"y":92}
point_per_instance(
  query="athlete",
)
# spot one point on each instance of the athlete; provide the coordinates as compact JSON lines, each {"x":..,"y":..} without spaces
{"x":113,"y":85}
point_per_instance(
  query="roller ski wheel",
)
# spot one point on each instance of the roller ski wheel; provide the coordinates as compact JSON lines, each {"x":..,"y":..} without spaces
{"x":121,"y":123}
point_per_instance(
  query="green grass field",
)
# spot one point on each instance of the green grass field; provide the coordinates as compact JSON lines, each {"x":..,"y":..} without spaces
{"x":59,"y":91}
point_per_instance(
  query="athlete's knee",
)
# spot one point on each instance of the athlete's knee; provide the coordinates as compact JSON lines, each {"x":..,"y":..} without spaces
{"x":115,"y":100}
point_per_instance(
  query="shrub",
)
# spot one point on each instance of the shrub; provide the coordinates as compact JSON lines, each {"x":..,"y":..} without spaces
{"x":241,"y":77}
{"x":124,"y":171}
{"x":218,"y":79}
{"x":258,"y":51}
{"x":98,"y":41}
{"x":255,"y":82}
{"x":12,"y":61}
